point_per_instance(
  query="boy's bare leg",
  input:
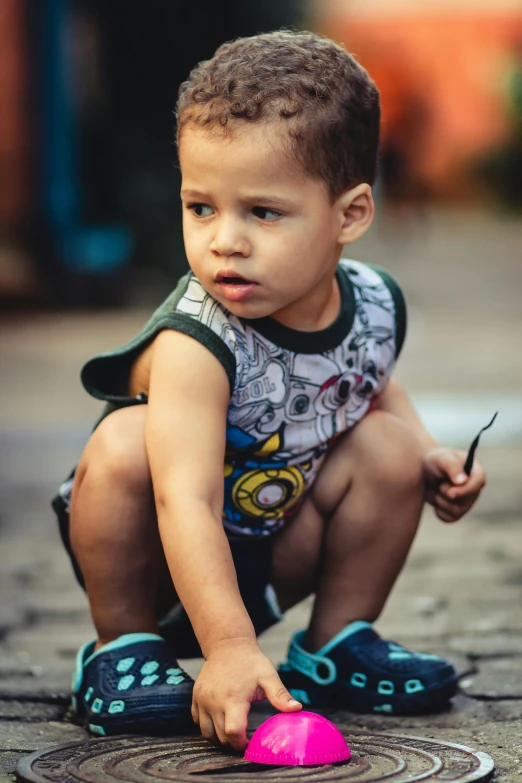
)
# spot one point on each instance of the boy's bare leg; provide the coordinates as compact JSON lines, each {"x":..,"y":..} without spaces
{"x":348,"y":543}
{"x":351,"y":538}
{"x":114,"y":532}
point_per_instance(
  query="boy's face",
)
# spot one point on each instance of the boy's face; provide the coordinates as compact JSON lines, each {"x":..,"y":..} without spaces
{"x":260,"y":235}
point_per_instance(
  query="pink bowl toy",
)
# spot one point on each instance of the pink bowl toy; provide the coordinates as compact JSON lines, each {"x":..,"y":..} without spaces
{"x":296,"y":739}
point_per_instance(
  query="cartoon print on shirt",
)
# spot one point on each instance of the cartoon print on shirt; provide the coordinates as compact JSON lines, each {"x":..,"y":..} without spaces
{"x":317,"y":408}
{"x":287,"y":408}
{"x":257,"y":484}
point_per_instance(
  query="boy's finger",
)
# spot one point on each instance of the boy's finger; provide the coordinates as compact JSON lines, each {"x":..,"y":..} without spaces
{"x":444,"y":516}
{"x":219,"y":728}
{"x":470,"y":490}
{"x":278,"y":696}
{"x":454,"y":468}
{"x":235,"y":723}
{"x":456,"y":494}
{"x":444,"y":505}
{"x":461,"y":495}
{"x":450,"y":465}
{"x":454,"y":508}
{"x":206,"y":724}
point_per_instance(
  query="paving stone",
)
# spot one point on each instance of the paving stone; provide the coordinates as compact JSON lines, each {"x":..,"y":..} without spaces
{"x":41,"y":645}
{"x":44,"y":683}
{"x":463,"y":712}
{"x":30,"y":711}
{"x":9,"y":616}
{"x":495,"y":679}
{"x":8,"y":762}
{"x":487,"y":646}
{"x":15,"y":666}
{"x":20,"y":736}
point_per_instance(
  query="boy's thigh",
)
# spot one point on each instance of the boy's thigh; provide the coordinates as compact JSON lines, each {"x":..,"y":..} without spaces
{"x":297,"y":547}
{"x":379,"y":448}
{"x":378,"y":437}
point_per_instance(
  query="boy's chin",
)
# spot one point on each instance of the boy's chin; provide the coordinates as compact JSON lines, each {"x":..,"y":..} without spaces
{"x":246,"y":309}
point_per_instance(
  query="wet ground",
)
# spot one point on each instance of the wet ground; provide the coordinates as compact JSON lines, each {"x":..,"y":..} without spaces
{"x":461,"y":592}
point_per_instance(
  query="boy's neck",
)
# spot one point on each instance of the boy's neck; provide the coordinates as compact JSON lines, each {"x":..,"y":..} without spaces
{"x":318,"y":310}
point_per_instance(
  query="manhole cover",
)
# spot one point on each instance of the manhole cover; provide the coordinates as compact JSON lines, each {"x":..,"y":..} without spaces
{"x":375,"y":757}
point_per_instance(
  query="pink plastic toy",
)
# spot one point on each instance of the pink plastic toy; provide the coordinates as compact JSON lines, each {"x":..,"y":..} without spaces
{"x":296,"y":739}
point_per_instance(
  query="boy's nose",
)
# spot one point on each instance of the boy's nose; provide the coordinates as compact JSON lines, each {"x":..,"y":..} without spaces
{"x":229,"y":240}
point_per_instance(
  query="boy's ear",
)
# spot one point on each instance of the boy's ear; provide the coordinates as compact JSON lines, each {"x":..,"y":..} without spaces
{"x":356,"y":211}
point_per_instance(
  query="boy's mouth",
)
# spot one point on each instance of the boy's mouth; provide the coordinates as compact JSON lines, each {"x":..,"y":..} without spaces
{"x":233,"y":286}
{"x":232,"y":279}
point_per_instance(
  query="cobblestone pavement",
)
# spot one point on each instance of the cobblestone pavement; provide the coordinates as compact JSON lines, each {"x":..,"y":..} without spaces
{"x":460,"y":594}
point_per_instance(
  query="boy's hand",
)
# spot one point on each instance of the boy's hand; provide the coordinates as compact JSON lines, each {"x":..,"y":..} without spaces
{"x":448,"y":489}
{"x":235,"y":674}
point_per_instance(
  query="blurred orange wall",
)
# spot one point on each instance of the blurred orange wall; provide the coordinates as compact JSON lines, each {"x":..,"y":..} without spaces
{"x":455,"y":63}
{"x":14,"y":142}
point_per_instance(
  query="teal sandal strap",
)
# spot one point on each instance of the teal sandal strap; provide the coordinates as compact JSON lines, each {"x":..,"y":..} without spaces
{"x":309,"y":663}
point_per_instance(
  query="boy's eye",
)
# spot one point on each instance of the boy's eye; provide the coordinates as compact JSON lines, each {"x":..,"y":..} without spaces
{"x":263,"y":213}
{"x":201,"y":210}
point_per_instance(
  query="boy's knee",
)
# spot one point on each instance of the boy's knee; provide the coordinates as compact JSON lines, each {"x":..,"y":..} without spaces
{"x":392,"y":450}
{"x":117,"y":448}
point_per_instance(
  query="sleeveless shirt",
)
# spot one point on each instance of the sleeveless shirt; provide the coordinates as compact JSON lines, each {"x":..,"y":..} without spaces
{"x":292,"y":393}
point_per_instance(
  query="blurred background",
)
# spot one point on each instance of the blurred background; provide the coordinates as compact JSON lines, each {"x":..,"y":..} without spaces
{"x":90,"y":243}
{"x":89,"y":211}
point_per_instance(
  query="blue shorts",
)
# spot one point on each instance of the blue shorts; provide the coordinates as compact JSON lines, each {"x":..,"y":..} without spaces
{"x":253,"y":562}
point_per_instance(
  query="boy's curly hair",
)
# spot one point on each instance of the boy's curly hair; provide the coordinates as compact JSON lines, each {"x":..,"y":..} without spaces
{"x":328,"y":101}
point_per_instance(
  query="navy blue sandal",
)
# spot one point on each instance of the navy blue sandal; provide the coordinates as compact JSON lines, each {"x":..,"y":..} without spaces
{"x":133,"y":685}
{"x":359,"y":671}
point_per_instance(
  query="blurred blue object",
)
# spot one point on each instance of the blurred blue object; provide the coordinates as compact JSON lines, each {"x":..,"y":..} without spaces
{"x":80,"y":249}
{"x":95,"y":249}
{"x":60,"y":175}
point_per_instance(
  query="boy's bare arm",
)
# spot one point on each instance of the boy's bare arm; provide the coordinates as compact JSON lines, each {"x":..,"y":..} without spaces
{"x":185,"y":439}
{"x":449,"y":490}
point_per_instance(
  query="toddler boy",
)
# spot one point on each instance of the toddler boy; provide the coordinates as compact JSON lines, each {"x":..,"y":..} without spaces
{"x":254,"y":447}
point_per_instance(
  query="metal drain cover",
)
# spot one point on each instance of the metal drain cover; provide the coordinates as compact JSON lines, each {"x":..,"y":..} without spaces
{"x":391,"y":757}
